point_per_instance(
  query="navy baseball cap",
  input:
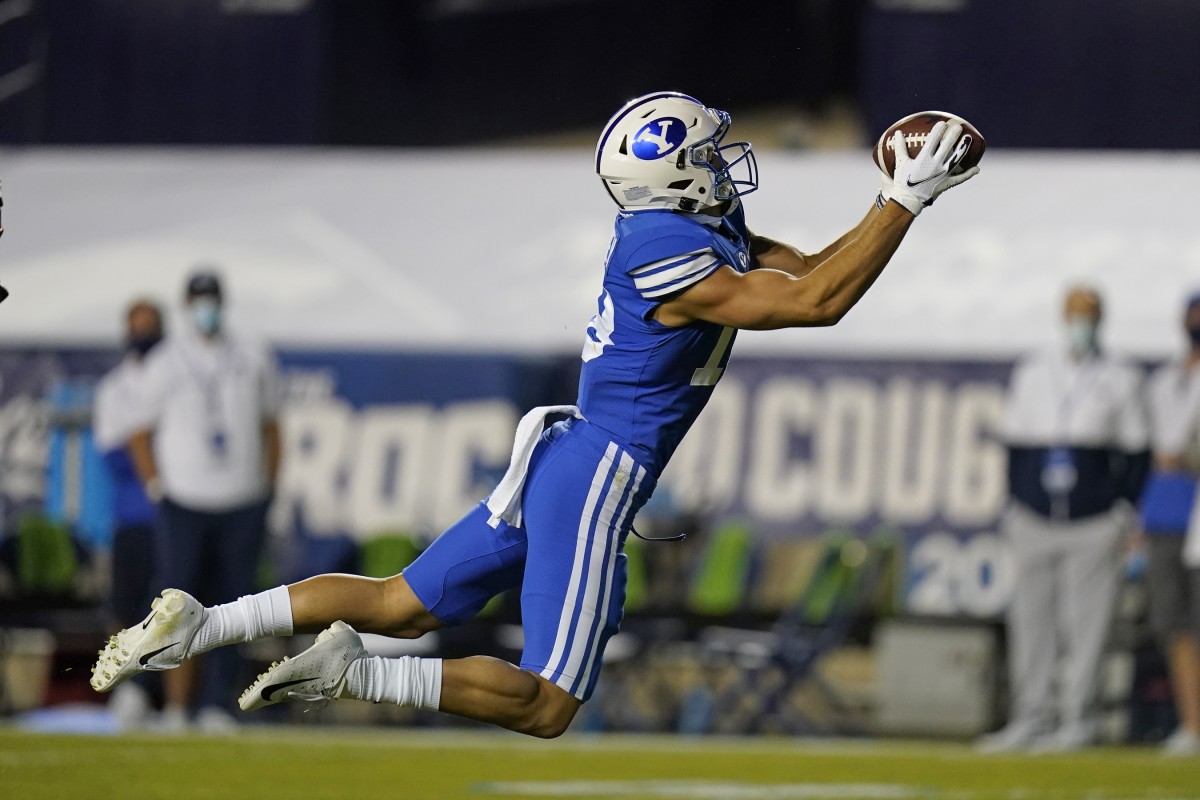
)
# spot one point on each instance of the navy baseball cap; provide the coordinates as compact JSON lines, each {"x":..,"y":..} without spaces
{"x":204,"y":283}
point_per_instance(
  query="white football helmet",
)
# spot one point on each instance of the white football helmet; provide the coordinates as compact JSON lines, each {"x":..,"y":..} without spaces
{"x":663,"y":150}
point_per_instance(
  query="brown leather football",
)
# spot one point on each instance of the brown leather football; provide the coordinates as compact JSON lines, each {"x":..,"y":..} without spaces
{"x":916,"y":128}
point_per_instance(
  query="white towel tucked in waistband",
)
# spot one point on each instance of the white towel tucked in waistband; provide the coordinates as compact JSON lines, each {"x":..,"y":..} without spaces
{"x":505,"y":500}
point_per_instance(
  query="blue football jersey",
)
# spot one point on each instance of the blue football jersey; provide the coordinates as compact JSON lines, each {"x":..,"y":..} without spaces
{"x":644,"y":382}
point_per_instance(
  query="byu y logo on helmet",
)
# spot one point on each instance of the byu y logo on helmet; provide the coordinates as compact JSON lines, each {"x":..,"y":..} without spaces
{"x":667,"y":150}
{"x":659,"y":138}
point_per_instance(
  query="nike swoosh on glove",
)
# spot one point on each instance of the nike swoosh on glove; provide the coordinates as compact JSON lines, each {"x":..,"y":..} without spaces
{"x":917,"y":182}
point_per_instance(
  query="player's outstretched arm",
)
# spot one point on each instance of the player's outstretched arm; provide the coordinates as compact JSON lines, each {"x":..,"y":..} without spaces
{"x":794,"y":290}
{"x":917,"y":182}
{"x":766,"y":299}
{"x":773,"y":254}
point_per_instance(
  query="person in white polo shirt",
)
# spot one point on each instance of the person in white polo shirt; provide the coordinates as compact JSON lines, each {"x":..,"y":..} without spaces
{"x":1167,"y":508}
{"x":208,"y":453}
{"x":1076,"y":433}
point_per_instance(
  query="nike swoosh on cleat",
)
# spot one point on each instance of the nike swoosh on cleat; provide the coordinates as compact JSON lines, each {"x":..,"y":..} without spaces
{"x":268,"y":692}
{"x":145,"y":659}
{"x":149,"y":619}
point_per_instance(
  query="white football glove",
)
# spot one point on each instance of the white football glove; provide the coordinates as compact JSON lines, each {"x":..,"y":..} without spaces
{"x":917,"y":182}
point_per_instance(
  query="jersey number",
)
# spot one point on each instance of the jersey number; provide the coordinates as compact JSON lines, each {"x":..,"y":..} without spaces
{"x":711,"y":372}
{"x":600,"y":329}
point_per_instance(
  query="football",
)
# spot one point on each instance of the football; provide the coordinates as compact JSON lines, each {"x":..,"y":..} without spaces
{"x":916,"y":128}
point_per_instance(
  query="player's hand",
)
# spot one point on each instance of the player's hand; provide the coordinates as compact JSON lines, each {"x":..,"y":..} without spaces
{"x":952,"y":181}
{"x":917,"y":182}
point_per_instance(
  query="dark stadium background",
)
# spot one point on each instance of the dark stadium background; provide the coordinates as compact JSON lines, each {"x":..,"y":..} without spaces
{"x":1103,"y":74}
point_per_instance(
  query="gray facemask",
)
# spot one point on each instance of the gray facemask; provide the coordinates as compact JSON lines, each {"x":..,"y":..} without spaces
{"x":206,"y":315}
{"x":1083,"y":335}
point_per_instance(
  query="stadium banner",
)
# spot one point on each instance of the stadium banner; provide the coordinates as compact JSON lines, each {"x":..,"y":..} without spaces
{"x":801,"y":447}
{"x":381,"y":442}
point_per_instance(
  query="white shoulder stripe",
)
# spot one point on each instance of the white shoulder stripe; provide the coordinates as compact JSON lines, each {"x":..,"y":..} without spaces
{"x":680,"y":270}
{"x":696,"y":274}
{"x":668,"y":262}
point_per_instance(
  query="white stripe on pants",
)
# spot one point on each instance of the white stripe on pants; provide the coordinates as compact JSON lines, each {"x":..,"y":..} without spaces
{"x":578,"y":639}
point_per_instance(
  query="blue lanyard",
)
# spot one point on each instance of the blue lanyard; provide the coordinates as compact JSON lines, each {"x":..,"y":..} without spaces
{"x":210,"y":389}
{"x":1090,"y":369}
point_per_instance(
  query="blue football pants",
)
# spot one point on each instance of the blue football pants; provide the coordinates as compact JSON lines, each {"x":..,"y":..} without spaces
{"x":580,"y":498}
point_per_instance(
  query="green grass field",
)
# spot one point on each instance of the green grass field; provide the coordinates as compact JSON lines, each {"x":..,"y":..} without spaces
{"x":365,"y":764}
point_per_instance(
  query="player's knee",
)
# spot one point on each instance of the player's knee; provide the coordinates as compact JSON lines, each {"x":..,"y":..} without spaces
{"x":553,"y":726}
{"x":548,"y":724}
{"x":406,"y":618}
{"x":550,"y":710}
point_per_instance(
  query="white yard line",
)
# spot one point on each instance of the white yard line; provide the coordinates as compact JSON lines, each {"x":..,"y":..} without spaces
{"x":701,"y":790}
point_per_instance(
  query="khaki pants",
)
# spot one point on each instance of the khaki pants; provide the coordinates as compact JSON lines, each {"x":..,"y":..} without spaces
{"x":1066,"y":587}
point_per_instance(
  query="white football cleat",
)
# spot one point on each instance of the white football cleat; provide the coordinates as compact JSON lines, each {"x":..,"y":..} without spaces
{"x":316,"y":676}
{"x":160,"y":642}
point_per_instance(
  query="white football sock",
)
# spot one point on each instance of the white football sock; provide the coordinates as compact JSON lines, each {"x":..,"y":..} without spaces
{"x":254,"y":616}
{"x":406,"y":681}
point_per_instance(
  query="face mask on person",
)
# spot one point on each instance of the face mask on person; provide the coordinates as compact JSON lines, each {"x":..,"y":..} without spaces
{"x":141,"y":345}
{"x":206,"y":315}
{"x":1083,"y":334}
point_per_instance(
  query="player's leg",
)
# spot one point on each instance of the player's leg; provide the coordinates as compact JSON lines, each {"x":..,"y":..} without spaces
{"x":458,"y":574}
{"x":486,"y":689}
{"x":579,"y":503}
{"x":577,"y":515}
{"x":497,"y":692}
{"x":449,"y":583}
{"x":571,"y":604}
{"x":387,"y":606}
{"x":179,"y":627}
